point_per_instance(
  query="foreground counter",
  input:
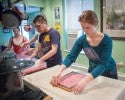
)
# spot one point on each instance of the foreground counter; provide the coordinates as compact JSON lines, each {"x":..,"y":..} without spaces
{"x":101,"y":88}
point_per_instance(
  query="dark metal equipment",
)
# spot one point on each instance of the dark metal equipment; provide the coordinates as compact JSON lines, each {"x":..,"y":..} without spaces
{"x":12,"y":86}
{"x":11,"y":82}
{"x":9,"y":17}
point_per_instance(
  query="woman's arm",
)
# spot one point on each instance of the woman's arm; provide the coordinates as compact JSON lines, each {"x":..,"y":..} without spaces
{"x":76,"y":49}
{"x":10,"y":43}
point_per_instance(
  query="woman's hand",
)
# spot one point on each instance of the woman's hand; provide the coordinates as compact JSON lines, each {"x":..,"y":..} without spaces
{"x":56,"y":77}
{"x":79,"y":87}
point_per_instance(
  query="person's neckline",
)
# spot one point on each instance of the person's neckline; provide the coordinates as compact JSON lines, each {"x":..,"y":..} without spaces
{"x":96,"y":44}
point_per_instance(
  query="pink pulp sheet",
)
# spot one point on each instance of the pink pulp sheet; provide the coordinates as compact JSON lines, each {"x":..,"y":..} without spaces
{"x":33,"y":69}
{"x":71,"y":79}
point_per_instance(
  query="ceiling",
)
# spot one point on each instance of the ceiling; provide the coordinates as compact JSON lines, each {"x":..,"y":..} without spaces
{"x":29,"y":9}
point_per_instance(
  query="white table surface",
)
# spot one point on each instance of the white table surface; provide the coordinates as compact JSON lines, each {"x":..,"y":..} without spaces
{"x":101,"y":88}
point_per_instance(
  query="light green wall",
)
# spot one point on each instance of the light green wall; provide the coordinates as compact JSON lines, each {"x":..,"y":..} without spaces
{"x":119,"y":50}
{"x":38,"y":3}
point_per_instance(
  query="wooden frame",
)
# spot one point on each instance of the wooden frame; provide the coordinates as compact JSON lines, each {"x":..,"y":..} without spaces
{"x":113,"y":18}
